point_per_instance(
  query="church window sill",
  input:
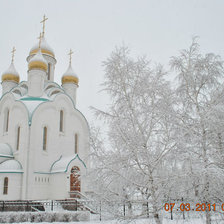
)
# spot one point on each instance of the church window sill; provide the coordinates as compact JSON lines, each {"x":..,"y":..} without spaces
{"x":45,"y":153}
{"x":61,"y":134}
{"x":5,"y":133}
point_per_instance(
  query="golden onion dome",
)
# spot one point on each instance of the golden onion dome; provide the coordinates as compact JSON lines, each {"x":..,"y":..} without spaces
{"x":11,"y":74}
{"x":45,"y":48}
{"x":70,"y":76}
{"x":38,"y":62}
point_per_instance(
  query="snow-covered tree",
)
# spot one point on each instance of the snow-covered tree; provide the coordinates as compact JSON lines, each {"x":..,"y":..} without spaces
{"x":140,"y":135}
{"x":162,"y":144}
{"x":200,"y":124}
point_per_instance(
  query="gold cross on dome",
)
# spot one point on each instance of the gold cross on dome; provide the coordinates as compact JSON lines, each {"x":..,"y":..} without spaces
{"x":13,"y":53}
{"x":70,"y":56}
{"x":43,"y":21}
{"x":40,"y":37}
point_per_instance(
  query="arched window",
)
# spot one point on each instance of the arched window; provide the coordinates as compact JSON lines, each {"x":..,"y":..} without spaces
{"x":18,"y":137}
{"x":49,"y":71}
{"x":76,"y":143}
{"x":6,"y":121}
{"x":6,"y":184}
{"x":61,"y":128}
{"x":45,"y":139}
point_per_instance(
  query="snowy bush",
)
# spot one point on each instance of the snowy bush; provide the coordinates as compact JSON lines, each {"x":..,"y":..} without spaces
{"x":15,"y":217}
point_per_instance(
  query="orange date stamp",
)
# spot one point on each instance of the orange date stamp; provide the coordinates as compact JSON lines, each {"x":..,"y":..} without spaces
{"x":169,"y":207}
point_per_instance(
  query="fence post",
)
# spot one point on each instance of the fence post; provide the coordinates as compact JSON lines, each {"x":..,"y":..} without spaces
{"x":100,"y":211}
{"x":52,"y":205}
{"x":27,"y":206}
{"x":147,"y":209}
{"x":124,"y":210}
{"x":182,"y":199}
{"x":76,"y":205}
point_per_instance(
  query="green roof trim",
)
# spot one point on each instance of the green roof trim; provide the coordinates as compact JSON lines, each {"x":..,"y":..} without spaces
{"x":34,"y":99}
{"x":6,"y":156}
{"x":45,"y":173}
{"x":55,"y":162}
{"x":66,"y":169}
{"x":11,"y":172}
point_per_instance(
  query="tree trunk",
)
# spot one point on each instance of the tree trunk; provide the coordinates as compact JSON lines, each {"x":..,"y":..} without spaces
{"x":130,"y":212}
{"x":156,"y":216}
{"x":208,"y":216}
{"x":154,"y":202}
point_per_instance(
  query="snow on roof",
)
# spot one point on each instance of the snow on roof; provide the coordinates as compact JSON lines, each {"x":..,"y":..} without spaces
{"x":43,"y":45}
{"x":38,"y":57}
{"x":11,"y":70}
{"x":32,"y":103}
{"x":61,"y":165}
{"x":70,"y":72}
{"x":5,"y":150}
{"x":11,"y":165}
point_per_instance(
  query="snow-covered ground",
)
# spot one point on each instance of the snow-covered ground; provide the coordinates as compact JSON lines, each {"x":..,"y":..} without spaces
{"x":95,"y":219}
{"x":140,"y":221}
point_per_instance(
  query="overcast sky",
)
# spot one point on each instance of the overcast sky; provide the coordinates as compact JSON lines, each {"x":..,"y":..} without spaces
{"x":92,"y":28}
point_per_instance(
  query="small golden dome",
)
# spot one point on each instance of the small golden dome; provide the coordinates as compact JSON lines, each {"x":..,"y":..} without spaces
{"x":70,"y":76}
{"x":11,"y":74}
{"x":38,"y":62}
{"x":70,"y":79}
{"x":45,"y":48}
{"x":38,"y":65}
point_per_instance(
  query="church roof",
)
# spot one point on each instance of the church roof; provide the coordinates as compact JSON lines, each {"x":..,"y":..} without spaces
{"x":70,"y":76}
{"x":11,"y":166}
{"x":38,"y":62}
{"x":11,"y":74}
{"x":61,"y":165}
{"x":32,"y":103}
{"x":45,"y":48}
{"x":20,"y":93}
{"x":51,"y":90}
{"x":5,"y":150}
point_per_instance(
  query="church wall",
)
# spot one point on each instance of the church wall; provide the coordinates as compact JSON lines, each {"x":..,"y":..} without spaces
{"x":58,"y":143}
{"x":60,"y":184}
{"x":44,"y":116}
{"x":31,"y":154}
{"x":70,"y":89}
{"x":14,"y":186}
{"x":51,"y":62}
{"x":36,"y":82}
{"x":18,"y":116}
{"x":39,"y":187}
{"x":7,"y":86}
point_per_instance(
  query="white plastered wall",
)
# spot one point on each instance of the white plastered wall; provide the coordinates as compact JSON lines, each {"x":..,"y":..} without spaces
{"x":14,"y":186}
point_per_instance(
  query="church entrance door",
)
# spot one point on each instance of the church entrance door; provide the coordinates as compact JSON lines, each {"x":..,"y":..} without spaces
{"x":75,"y":181}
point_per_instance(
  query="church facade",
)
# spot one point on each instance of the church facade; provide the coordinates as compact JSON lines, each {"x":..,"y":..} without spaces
{"x":44,"y":138}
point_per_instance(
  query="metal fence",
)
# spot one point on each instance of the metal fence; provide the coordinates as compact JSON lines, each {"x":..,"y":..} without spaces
{"x":102,"y":208}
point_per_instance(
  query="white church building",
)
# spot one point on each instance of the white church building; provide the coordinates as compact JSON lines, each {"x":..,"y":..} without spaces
{"x":44,"y":138}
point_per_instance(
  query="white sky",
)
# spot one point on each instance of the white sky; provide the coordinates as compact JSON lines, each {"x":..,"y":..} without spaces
{"x":92,"y":28}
